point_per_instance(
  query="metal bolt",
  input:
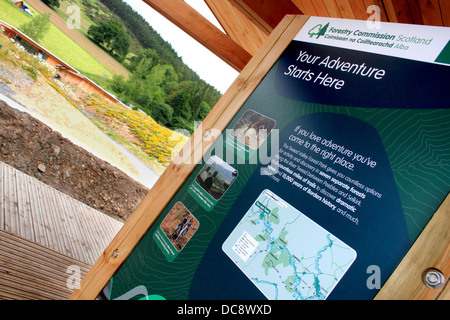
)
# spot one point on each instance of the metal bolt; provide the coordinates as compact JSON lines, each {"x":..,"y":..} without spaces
{"x":116,"y":253}
{"x":206,"y":134}
{"x":433,"y":278}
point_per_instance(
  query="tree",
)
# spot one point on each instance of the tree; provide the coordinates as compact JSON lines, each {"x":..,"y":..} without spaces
{"x":105,"y":32}
{"x":120,"y":45}
{"x":112,"y":36}
{"x":37,"y":27}
{"x":202,"y":111}
{"x":162,"y":113}
{"x":143,"y":63}
{"x":51,"y":3}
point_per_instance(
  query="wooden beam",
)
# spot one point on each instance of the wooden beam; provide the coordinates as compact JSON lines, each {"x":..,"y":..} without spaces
{"x":306,"y":6}
{"x":345,"y":9}
{"x":414,"y":9}
{"x":321,"y":8}
{"x":431,"y":12}
{"x":333,"y":9}
{"x":359,"y":9}
{"x":266,"y":14}
{"x":380,"y":4}
{"x":199,"y":28}
{"x":237,"y":25}
{"x":398,"y":11}
{"x":445,"y":10}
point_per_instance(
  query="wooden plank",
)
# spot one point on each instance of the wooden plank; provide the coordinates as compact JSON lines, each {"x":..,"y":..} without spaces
{"x":6,"y":199}
{"x":32,"y":271}
{"x":95,"y":235}
{"x":50,"y":218}
{"x":21,"y":274}
{"x":41,"y":231}
{"x":78,"y":235}
{"x":198,"y":27}
{"x":431,"y":250}
{"x":321,"y":8}
{"x":2,"y":200}
{"x":10,"y":201}
{"x":359,"y":9}
{"x":41,"y":215}
{"x":24,"y":208}
{"x":175,"y":175}
{"x":414,"y":10}
{"x":87,"y":238}
{"x":379,"y":4}
{"x":445,"y":10}
{"x":266,"y":14}
{"x":34,"y":225}
{"x":13,"y":257}
{"x":253,"y":16}
{"x":345,"y":9}
{"x":332,"y":8}
{"x":237,"y":25}
{"x":398,"y":11}
{"x":82,"y":242}
{"x":37,"y":256}
{"x":114,"y":227}
{"x":431,"y":12}
{"x":46,"y":257}
{"x":306,"y":7}
{"x":83,"y":239}
{"x":67,"y":234}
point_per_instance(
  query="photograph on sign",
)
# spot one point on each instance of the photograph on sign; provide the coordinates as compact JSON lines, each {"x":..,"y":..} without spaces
{"x":252,"y":129}
{"x":212,"y":182}
{"x":175,"y":231}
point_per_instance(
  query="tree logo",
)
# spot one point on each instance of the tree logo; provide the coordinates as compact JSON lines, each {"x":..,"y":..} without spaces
{"x":318,"y":30}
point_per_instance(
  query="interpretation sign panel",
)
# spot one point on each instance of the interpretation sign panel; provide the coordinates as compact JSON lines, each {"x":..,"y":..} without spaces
{"x":320,"y":183}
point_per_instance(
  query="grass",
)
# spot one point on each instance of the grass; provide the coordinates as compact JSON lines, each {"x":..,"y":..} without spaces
{"x":56,"y":42}
{"x":86,"y":21}
{"x":69,"y":51}
{"x":62,"y":12}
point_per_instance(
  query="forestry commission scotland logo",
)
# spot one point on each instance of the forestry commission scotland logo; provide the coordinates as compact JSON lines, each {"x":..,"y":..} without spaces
{"x":318,"y":30}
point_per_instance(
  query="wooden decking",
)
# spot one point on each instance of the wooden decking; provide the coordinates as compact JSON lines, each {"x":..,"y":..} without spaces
{"x":29,"y":271}
{"x":41,"y":219}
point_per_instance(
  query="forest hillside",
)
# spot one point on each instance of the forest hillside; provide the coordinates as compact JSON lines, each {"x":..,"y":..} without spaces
{"x":160,"y":83}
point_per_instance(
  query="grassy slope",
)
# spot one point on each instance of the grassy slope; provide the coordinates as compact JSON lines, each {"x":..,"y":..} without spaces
{"x":56,"y":42}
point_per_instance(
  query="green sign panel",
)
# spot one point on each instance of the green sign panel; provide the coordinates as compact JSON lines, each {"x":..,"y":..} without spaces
{"x":321,"y":182}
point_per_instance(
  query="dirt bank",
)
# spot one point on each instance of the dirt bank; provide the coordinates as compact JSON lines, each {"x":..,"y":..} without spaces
{"x":34,"y":148}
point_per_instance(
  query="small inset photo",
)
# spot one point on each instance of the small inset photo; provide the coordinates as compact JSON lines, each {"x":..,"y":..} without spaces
{"x":179,"y":226}
{"x":216,"y":177}
{"x":252,"y":129}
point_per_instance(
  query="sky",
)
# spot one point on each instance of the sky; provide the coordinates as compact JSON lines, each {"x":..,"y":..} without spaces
{"x":206,"y":64}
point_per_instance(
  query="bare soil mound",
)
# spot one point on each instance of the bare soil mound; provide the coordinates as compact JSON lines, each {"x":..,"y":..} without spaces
{"x":35,"y":149}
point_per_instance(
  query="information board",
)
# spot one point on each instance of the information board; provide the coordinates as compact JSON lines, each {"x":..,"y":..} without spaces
{"x":320,"y":183}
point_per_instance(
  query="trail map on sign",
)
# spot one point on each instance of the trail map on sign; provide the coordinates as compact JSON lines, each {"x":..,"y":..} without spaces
{"x":286,"y":254}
